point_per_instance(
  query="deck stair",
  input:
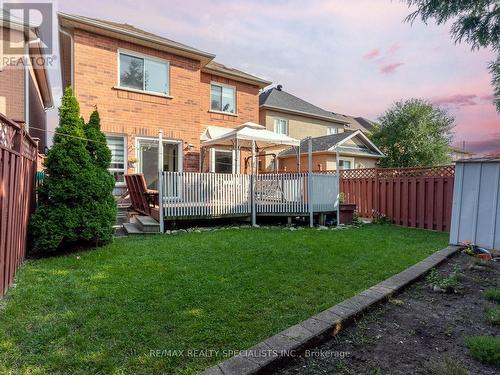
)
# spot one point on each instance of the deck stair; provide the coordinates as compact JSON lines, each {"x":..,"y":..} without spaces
{"x":142,"y":224}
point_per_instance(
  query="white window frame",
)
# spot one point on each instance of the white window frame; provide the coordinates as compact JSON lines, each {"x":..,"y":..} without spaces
{"x":275,"y":123}
{"x":125,"y":156}
{"x":144,"y":57}
{"x":180,"y":159}
{"x":222,"y":85}
{"x":350,"y":160}
{"x":234,"y":159}
{"x":330,"y":130}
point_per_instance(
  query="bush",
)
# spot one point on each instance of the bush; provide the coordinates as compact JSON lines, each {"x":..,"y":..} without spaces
{"x":75,"y":201}
{"x":492,"y":294}
{"x":493,"y":315}
{"x":484,"y":348}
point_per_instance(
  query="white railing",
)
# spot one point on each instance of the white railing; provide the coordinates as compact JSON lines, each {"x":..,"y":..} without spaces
{"x":281,"y":193}
{"x":188,"y":194}
{"x":205,"y":194}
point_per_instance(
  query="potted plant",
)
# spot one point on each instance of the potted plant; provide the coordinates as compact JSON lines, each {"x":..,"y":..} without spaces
{"x":346,"y":210}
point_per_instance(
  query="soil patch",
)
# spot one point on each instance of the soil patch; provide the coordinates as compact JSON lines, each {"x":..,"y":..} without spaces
{"x":415,"y":332}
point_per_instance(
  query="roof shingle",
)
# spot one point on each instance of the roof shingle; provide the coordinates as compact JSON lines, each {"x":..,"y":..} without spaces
{"x":277,"y":98}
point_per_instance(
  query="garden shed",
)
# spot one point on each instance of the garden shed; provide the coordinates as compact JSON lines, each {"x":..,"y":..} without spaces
{"x":476,"y":202}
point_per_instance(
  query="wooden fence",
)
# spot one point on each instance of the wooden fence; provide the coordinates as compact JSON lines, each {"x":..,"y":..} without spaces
{"x":411,"y":197}
{"x":18,"y":158}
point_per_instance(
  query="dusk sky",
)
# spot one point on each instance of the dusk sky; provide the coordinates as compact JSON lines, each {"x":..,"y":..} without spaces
{"x":351,"y":57}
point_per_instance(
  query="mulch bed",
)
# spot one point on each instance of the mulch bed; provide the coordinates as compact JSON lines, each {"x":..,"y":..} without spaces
{"x":414,"y":332}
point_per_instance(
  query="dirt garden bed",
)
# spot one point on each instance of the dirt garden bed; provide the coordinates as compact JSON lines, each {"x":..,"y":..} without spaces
{"x":420,"y":331}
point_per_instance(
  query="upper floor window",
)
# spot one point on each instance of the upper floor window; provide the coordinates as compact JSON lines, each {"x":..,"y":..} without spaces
{"x":222,"y":98}
{"x":332,"y":130}
{"x":145,"y":74}
{"x":281,"y":126}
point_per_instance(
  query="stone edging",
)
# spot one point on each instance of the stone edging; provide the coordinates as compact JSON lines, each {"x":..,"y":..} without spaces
{"x":326,"y":324}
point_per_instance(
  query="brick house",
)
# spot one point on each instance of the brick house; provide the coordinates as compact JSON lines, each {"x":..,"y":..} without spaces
{"x":288,"y":114}
{"x":25,"y":93}
{"x":142,"y":83}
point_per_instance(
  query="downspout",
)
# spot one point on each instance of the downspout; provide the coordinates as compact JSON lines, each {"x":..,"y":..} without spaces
{"x":72,"y":54}
{"x":27,"y":87}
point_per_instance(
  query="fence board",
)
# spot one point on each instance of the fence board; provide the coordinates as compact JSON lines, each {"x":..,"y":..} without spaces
{"x":413,"y":197}
{"x":18,"y":160}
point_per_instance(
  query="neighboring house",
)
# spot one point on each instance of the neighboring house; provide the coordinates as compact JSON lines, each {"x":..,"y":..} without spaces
{"x":357,"y":123}
{"x":458,"y":154}
{"x":142,"y":83}
{"x":354,"y":148}
{"x":25,"y":92}
{"x":285,"y":113}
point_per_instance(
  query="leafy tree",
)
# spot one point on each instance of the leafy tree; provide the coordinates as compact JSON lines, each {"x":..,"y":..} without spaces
{"x":71,"y":195}
{"x":414,"y":133}
{"x":477,"y":22}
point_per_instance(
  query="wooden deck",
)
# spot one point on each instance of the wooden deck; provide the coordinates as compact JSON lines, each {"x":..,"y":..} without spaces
{"x":193,"y":196}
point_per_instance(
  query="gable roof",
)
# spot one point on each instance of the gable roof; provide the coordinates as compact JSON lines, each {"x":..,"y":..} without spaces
{"x":124,"y":31}
{"x":328,"y":143}
{"x":128,"y":32}
{"x":358,"y":123}
{"x":278,"y":99}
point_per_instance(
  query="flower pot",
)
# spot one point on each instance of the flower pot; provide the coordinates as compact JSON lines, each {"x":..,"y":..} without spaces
{"x":347,"y":213}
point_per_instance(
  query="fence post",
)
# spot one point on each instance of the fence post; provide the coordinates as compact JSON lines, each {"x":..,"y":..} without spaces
{"x":377,"y":193}
{"x":252,"y":186}
{"x":310,"y":194}
{"x":160,"y":180}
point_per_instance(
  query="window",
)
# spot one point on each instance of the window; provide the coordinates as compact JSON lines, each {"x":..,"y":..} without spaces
{"x":332,"y":130}
{"x":144,"y":74}
{"x":222,"y":98}
{"x":345,"y":164}
{"x":118,"y":163}
{"x":223,"y":161}
{"x":281,"y":126}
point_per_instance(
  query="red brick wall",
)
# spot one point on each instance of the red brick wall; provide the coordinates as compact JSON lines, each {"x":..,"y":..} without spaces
{"x":184,"y":116}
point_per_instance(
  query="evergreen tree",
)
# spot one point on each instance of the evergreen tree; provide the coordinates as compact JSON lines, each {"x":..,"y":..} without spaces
{"x":72,"y":189}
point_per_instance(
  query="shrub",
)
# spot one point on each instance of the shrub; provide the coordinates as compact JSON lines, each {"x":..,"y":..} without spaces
{"x":484,"y":348}
{"x":74,"y":198}
{"x":493,"y":315}
{"x":447,"y":283}
{"x":492,"y":294}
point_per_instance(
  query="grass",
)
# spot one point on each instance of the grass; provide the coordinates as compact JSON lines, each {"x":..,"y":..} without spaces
{"x":140,"y":304}
{"x":484,"y":348}
{"x":493,"y":294}
{"x":493,"y":315}
{"x":447,"y":366}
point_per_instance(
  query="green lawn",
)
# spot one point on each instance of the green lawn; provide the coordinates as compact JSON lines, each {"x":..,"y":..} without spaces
{"x":104,"y":311}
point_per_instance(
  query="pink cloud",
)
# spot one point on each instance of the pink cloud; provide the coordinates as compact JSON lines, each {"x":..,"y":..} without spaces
{"x":390,"y":68}
{"x":393,"y":49}
{"x":459,"y":100}
{"x":373,"y":53}
{"x":487,"y":98}
{"x":489,"y":145}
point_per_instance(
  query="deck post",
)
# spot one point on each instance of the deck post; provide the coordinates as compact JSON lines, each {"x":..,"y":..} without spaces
{"x":160,"y":180}
{"x":310,"y":197}
{"x":252,"y":184}
{"x":337,"y":167}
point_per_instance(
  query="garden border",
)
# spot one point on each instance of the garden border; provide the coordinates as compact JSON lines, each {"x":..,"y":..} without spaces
{"x":328,"y":323}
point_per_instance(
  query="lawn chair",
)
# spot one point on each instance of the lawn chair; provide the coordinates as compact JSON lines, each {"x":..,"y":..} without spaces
{"x":144,"y":200}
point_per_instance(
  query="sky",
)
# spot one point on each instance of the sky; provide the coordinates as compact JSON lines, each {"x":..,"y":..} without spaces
{"x":353,"y":57}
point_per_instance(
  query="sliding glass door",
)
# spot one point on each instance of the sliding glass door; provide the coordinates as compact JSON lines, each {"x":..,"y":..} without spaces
{"x":147,"y":159}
